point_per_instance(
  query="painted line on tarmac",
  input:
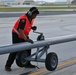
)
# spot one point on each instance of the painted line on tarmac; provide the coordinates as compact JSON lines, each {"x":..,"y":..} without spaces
{"x":64,"y":64}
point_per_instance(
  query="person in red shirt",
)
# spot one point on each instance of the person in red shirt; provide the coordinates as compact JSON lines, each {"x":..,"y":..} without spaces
{"x":20,"y":33}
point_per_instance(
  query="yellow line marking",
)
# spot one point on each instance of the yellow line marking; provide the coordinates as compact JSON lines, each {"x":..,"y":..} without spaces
{"x":60,"y":65}
{"x":66,"y":63}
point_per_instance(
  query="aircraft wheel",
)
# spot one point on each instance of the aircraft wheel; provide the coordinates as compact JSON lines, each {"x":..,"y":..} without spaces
{"x":20,"y":59}
{"x":51,"y":61}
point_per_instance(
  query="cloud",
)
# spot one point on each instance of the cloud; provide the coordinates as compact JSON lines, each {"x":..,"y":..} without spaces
{"x":46,"y":0}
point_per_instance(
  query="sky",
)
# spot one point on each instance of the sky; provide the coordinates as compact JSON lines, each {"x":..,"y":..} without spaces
{"x":52,"y":0}
{"x":61,"y":0}
{"x":43,"y":0}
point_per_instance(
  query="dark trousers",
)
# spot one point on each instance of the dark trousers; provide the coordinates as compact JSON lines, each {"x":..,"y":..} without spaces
{"x":12,"y":56}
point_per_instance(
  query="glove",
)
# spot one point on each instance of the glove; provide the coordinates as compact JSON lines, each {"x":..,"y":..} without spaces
{"x":34,"y":28}
{"x":30,"y":41}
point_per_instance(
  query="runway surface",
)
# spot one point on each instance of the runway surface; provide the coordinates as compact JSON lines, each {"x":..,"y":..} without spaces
{"x":51,"y":26}
{"x":17,"y":14}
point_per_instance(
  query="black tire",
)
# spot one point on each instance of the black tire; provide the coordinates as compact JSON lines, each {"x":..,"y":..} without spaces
{"x":51,"y":61}
{"x":20,"y":59}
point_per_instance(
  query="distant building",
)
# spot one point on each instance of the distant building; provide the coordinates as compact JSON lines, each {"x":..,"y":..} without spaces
{"x":17,"y":2}
{"x":29,"y":2}
{"x":40,"y":2}
{"x":5,"y":2}
{"x":73,"y":2}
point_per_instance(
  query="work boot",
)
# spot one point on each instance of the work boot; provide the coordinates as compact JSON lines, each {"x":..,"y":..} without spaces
{"x":8,"y":69}
{"x":30,"y":66}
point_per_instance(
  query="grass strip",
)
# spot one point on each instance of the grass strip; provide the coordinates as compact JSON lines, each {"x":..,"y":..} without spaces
{"x":41,"y":8}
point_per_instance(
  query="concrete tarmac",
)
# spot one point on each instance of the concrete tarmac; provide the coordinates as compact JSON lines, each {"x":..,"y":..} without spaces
{"x":17,"y":14}
{"x":51,"y":26}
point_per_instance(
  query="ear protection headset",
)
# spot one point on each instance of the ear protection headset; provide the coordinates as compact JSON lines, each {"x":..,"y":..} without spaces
{"x":31,"y":11}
